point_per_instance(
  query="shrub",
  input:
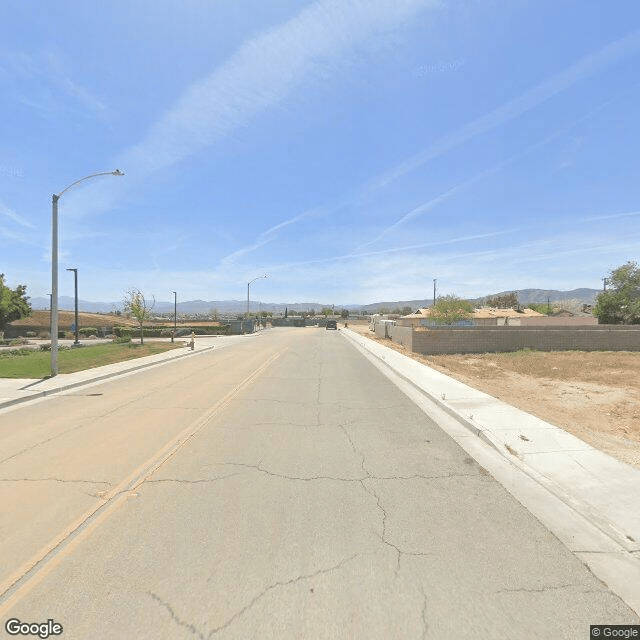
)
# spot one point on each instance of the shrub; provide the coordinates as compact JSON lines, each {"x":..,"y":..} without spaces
{"x":88,"y":331}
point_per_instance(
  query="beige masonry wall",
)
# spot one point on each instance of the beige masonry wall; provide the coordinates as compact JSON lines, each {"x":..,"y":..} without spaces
{"x":486,"y":339}
{"x":402,"y":335}
{"x":559,"y":322}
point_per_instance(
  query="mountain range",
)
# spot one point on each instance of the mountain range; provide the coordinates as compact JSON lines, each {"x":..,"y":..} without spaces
{"x":525,"y":296}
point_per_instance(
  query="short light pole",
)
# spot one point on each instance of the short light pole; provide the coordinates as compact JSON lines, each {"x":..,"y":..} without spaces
{"x":75,"y":282}
{"x":175,"y":314}
{"x":54,"y":264}
{"x":266,"y":275}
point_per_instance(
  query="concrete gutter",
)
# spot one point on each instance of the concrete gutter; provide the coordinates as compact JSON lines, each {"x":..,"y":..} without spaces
{"x":600,"y":495}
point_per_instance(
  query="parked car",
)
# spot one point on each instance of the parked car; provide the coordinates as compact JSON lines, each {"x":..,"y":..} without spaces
{"x":332,"y":324}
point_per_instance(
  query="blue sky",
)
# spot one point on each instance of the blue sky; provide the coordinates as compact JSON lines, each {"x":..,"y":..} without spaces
{"x":352,"y":149}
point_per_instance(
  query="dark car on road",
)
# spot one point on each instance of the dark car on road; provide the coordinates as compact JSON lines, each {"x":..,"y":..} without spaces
{"x":332,"y":324}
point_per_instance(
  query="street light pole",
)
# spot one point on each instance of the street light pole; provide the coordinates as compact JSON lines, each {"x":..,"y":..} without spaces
{"x":175,"y":314}
{"x":75,"y":282}
{"x":54,"y":265}
{"x":434,"y":292}
{"x":266,"y":275}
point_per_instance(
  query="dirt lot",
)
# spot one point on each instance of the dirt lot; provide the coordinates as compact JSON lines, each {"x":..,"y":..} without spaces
{"x":66,"y":318}
{"x":593,"y":395}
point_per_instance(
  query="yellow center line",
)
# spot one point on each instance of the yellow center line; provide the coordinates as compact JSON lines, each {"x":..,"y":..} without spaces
{"x":31,"y":573}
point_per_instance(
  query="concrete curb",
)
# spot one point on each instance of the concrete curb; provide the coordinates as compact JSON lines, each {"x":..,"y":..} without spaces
{"x":584,"y":478}
{"x":73,"y":385}
{"x":588,"y":503}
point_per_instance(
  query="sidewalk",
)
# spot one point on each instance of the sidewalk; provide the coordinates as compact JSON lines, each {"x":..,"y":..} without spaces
{"x":598,"y":492}
{"x":16,"y":390}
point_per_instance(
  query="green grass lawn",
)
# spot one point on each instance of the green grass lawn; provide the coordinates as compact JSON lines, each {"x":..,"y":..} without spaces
{"x":37,"y":364}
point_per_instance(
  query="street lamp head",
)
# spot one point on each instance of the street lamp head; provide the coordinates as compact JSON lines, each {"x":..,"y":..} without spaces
{"x":117,"y":172}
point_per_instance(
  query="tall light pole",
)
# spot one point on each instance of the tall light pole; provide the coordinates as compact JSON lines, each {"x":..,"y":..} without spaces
{"x":266,"y":275}
{"x":434,"y":292}
{"x":54,"y":264}
{"x":175,"y":314}
{"x":75,"y":282}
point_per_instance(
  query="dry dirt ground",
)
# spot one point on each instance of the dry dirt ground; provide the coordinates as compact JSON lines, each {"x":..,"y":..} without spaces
{"x":66,"y":318}
{"x":594,"y":395}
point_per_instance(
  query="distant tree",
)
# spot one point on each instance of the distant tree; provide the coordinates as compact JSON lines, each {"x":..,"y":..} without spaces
{"x":344,"y":313}
{"x":406,"y":311}
{"x":214,"y":315}
{"x":620,"y":304}
{"x":139,"y":307}
{"x":506,"y":301}
{"x":540,"y":307}
{"x":14,"y":303}
{"x":450,"y":309}
{"x":327,"y":311}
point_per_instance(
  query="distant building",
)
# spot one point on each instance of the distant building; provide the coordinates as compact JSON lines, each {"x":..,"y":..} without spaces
{"x":484,"y":317}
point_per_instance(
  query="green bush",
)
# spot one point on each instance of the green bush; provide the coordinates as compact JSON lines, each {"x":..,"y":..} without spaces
{"x":88,"y":331}
{"x":122,"y":339}
{"x":165,"y":332}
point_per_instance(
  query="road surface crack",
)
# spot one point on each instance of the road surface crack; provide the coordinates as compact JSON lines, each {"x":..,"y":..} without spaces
{"x":425,"y":625}
{"x":187,"y":625}
{"x":275,"y":585}
{"x":540,"y":590}
{"x":54,"y":480}
{"x":356,"y":451}
{"x":284,"y":476}
{"x":383,"y":534}
{"x":199,"y":481}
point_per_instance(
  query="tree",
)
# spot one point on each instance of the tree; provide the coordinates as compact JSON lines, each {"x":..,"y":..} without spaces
{"x":450,"y":309}
{"x":406,"y":311}
{"x":327,"y":311}
{"x":620,"y":304}
{"x":14,"y":303}
{"x":506,"y":301}
{"x":139,"y":307}
{"x":540,"y":307}
{"x":344,"y":313}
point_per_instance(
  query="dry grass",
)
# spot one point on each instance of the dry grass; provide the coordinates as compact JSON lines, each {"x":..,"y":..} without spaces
{"x":67,"y":318}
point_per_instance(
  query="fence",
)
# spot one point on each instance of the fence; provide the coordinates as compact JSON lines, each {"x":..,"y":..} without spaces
{"x":488,"y":339}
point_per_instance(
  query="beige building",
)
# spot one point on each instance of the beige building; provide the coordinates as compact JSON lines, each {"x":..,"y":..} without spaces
{"x":486,"y":317}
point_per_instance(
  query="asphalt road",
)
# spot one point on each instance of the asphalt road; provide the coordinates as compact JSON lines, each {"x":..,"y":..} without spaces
{"x":279,"y":488}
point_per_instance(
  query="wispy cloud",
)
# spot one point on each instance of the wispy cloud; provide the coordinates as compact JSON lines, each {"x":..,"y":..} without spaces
{"x":482,"y":175}
{"x":50,"y":87}
{"x":269,"y":235}
{"x":12,"y":215}
{"x":610,"y":216}
{"x":510,"y":110}
{"x":401,"y":249}
{"x":264,"y":71}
